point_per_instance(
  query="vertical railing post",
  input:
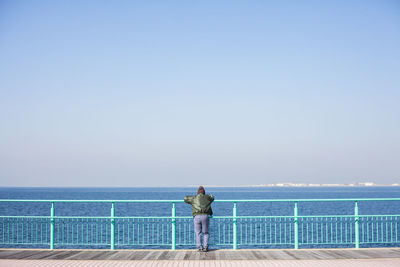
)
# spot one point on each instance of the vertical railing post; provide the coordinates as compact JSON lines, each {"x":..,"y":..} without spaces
{"x":234,"y":226}
{"x":112,"y":232}
{"x":173,"y":229}
{"x":52,"y":226}
{"x":356,"y":225}
{"x":296,"y":226}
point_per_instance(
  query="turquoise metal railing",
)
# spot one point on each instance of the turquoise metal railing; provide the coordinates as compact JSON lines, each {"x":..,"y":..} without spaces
{"x":178,"y":231}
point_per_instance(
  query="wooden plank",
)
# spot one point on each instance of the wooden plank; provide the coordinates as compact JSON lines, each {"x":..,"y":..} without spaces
{"x":8,"y":252}
{"x":20,"y":254}
{"x":316,"y":255}
{"x":211,"y":255}
{"x":42,"y":255}
{"x":333,"y":254}
{"x":302,"y":254}
{"x":350,"y":254}
{"x":173,"y":254}
{"x":294,"y":255}
{"x":251,"y":255}
{"x":218,"y":254}
{"x":369,"y":254}
{"x":225,"y":255}
{"x":61,"y":256}
{"x":278,"y":255}
{"x":264,"y":254}
{"x":145,"y":255}
{"x":394,"y":252}
{"x":235,"y":255}
{"x":203,"y":256}
{"x":386,"y":253}
{"x":96,"y":256}
{"x":136,"y":255}
{"x":108,"y":255}
{"x":324,"y":254}
{"x":187,"y":255}
{"x":195,"y":255}
{"x":183,"y":255}
{"x":152,"y":255}
{"x":85,"y":255}
{"x":288,"y":254}
{"x":163,"y":256}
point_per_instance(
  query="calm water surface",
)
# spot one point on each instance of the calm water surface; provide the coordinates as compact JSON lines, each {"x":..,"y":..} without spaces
{"x":164,"y":209}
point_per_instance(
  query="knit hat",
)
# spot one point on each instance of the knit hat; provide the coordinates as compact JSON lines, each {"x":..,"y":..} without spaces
{"x":201,"y":190}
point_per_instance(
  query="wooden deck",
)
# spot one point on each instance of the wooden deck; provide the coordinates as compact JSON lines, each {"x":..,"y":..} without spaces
{"x":192,"y":255}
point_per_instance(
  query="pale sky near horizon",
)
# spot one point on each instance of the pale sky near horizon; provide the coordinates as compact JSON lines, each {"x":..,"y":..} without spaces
{"x":176,"y":93}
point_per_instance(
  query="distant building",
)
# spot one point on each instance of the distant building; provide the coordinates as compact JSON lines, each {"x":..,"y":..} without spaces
{"x":366,"y":184}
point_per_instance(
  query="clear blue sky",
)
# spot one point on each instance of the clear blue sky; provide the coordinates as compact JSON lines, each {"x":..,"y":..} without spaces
{"x":171,"y":93}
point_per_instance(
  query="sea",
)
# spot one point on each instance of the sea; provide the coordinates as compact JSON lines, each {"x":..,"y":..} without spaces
{"x":182,"y":209}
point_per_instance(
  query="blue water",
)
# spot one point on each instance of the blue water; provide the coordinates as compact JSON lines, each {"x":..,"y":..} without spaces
{"x":182,"y":209}
{"x":220,"y":209}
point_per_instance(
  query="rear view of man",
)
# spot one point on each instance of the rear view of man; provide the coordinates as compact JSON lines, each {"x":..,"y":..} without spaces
{"x":201,"y":209}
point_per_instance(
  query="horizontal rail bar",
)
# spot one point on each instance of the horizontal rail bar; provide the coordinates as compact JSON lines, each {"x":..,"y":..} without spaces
{"x":237,"y":231}
{"x":191,"y":217}
{"x":181,"y":201}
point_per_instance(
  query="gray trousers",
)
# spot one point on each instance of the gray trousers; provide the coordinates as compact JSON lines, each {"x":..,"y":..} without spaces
{"x":201,"y":226}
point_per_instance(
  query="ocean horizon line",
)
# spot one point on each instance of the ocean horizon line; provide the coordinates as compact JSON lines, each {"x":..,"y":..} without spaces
{"x":211,"y":186}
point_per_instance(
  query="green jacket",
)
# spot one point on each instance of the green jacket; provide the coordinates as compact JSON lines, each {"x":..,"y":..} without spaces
{"x":201,"y":204}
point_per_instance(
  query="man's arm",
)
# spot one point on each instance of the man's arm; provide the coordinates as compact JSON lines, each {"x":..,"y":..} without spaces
{"x":188,"y":199}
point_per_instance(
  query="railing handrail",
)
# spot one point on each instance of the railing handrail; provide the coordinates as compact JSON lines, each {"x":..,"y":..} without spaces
{"x":191,"y":217}
{"x":296,"y":220}
{"x":181,"y":201}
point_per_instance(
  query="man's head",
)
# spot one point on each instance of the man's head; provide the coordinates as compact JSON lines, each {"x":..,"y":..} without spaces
{"x":201,"y":190}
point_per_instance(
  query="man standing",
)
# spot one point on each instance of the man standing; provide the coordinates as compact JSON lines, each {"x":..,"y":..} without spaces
{"x":201,"y":209}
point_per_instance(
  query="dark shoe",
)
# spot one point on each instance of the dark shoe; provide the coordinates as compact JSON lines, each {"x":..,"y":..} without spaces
{"x":205,"y":249}
{"x":200,"y":249}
